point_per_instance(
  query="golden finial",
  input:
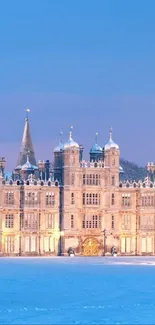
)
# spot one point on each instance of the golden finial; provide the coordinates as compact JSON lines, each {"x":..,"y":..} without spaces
{"x":110,"y":132}
{"x":96,"y":137}
{"x":70,"y":133}
{"x":27,"y":112}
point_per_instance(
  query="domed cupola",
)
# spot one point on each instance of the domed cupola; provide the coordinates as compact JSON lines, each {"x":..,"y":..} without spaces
{"x":70,"y":143}
{"x":60,"y":147}
{"x":111,"y":144}
{"x":28,"y":169}
{"x":96,"y":152}
{"x":28,"y":166}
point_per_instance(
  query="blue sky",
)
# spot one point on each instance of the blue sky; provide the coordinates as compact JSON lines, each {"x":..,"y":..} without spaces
{"x":90,"y":64}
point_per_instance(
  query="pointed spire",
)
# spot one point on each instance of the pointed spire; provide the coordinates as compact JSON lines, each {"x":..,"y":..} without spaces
{"x":60,"y":136}
{"x":27,"y":112}
{"x":96,"y":138}
{"x":27,"y":145}
{"x":60,"y":146}
{"x":110,"y":131}
{"x":70,"y":133}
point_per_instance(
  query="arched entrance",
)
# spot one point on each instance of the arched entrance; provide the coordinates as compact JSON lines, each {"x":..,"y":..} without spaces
{"x":90,"y":247}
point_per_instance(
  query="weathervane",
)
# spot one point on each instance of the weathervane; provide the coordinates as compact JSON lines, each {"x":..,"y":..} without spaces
{"x":110,"y":132}
{"x":70,"y":133}
{"x":61,"y":135}
{"x":96,"y":137}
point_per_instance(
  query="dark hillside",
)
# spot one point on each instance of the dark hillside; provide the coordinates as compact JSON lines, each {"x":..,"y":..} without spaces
{"x":132,"y":171}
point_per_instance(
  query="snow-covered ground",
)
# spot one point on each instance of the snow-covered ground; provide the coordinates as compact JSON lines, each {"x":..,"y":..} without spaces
{"x":79,"y":290}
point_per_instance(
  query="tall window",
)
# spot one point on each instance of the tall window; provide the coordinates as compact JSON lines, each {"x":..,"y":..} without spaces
{"x":9,"y":244}
{"x":72,"y":198}
{"x":126,"y":222}
{"x":50,"y":220}
{"x":30,"y":221}
{"x":147,"y":200}
{"x":9,"y":198}
{"x":147,"y":222}
{"x":72,"y":221}
{"x":72,"y":179}
{"x":9,"y":221}
{"x":126,"y":200}
{"x":31,"y":198}
{"x":91,"y":179}
{"x":91,"y":198}
{"x":113,"y":181}
{"x":112,"y":222}
{"x":113,"y":199}
{"x":113,"y":161}
{"x":48,"y":243}
{"x":91,"y":222}
{"x":84,"y":179}
{"x":50,"y":198}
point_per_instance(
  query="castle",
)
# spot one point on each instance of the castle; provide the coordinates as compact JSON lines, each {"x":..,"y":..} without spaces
{"x":45,"y":210}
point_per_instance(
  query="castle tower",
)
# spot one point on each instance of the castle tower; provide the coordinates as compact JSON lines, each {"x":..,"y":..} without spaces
{"x":58,"y":157}
{"x":111,"y":196}
{"x":111,"y":150}
{"x":26,"y":145}
{"x":96,"y":152}
{"x":111,"y":160}
{"x":2,"y":165}
{"x":26,"y":156}
{"x":44,"y":169}
{"x":71,"y":158}
{"x":81,"y":152}
{"x":112,"y":168}
{"x":70,"y":191}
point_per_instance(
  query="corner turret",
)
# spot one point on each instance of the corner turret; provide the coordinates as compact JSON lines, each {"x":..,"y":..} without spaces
{"x":112,"y":160}
{"x":96,"y":152}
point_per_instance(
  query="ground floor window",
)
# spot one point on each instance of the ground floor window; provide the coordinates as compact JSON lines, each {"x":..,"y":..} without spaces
{"x":50,"y":220}
{"x":9,"y":244}
{"x":30,"y":244}
{"x":91,"y":222}
{"x":48,"y":244}
{"x":126,"y":245}
{"x":146,"y":245}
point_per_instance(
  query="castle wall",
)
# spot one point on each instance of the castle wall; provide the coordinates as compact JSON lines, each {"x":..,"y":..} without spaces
{"x":105,"y":213}
{"x":89,"y":210}
{"x":29,"y":219}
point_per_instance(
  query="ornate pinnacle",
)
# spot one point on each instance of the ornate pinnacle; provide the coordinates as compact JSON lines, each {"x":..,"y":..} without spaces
{"x":110,"y":132}
{"x":27,"y":112}
{"x":70,"y":133}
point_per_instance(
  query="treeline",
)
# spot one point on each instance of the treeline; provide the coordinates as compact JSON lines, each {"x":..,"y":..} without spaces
{"x":133,"y":172}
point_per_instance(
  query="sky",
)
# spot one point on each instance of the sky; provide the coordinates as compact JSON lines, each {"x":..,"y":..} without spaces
{"x":90,"y":64}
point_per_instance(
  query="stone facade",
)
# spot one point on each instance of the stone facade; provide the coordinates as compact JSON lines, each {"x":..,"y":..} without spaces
{"x":99,"y":212}
{"x":29,"y":218}
{"x":82,"y":205}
